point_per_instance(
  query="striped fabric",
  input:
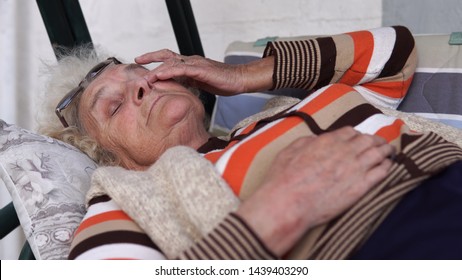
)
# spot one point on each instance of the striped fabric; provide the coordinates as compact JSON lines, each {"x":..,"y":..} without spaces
{"x":232,"y":239}
{"x":431,"y":95}
{"x":378,"y":62}
{"x":106,"y":232}
{"x":348,"y":72}
{"x":343,"y":74}
{"x":358,"y":68}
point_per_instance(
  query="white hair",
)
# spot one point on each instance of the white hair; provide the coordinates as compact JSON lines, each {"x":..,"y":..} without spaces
{"x":63,"y":76}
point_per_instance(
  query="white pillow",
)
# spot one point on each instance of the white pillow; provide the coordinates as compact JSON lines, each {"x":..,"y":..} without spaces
{"x":47,"y":180}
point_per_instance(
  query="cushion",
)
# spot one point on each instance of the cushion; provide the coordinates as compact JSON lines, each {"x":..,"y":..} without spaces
{"x":432,"y":93}
{"x":436,"y":91}
{"x":47,"y":180}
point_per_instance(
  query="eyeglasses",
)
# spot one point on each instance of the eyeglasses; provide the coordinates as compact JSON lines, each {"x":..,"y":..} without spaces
{"x":92,"y":74}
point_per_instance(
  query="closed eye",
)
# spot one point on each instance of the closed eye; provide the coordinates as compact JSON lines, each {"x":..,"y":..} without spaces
{"x":116,"y":109}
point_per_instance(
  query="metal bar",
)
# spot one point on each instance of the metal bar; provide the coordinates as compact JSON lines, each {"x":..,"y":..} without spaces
{"x":65,"y":24}
{"x":56,"y":24}
{"x":192,"y":27}
{"x":9,"y":220}
{"x":26,"y":253}
{"x":188,"y":40}
{"x":77,"y":22}
{"x":181,"y":27}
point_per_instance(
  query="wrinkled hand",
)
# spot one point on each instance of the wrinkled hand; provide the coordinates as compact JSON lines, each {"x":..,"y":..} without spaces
{"x":312,"y":181}
{"x":209,"y":75}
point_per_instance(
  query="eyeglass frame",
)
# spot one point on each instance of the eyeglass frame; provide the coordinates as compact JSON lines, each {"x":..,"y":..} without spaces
{"x":75,"y":92}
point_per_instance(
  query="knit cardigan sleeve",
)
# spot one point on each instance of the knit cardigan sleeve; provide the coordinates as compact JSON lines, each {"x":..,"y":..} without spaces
{"x":378,"y":62}
{"x":233,"y":239}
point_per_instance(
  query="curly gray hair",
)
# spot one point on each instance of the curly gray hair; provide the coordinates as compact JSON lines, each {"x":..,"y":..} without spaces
{"x":71,"y":68}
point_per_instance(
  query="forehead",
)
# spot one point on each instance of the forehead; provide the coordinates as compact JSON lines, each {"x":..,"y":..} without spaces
{"x":112,"y":74}
{"x":132,"y":67}
{"x":118,"y":72}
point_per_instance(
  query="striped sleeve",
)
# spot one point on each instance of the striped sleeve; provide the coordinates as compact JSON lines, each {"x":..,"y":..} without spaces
{"x":232,"y":239}
{"x":381,"y":61}
{"x":106,"y":232}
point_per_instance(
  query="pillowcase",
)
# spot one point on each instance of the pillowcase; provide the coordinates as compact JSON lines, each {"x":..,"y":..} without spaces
{"x":434,"y":92}
{"x":47,"y":180}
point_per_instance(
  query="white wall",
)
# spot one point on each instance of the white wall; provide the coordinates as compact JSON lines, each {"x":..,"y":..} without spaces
{"x":129,"y":28}
{"x":23,"y":43}
{"x":144,"y":25}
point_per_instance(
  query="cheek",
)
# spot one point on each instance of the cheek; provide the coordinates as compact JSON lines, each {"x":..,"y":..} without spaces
{"x":174,"y":109}
{"x":140,"y":152}
{"x":124,"y":133}
{"x":134,"y":144}
{"x":90,"y":125}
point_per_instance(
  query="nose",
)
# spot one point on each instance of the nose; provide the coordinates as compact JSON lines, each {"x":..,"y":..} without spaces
{"x":139,"y":89}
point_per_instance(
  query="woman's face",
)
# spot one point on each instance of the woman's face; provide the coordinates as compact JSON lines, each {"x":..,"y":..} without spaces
{"x":138,"y":121}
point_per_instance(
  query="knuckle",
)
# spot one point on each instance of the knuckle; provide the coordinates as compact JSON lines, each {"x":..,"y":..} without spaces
{"x":295,"y":144}
{"x":349,"y":130}
{"x":169,"y":53}
{"x":366,"y":140}
{"x":376,"y":154}
{"x":380,"y":153}
{"x":344,"y":133}
{"x":304,"y":141}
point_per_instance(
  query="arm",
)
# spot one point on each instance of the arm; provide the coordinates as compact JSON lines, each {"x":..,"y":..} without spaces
{"x":379,"y":62}
{"x":212,"y":76}
{"x":351,"y":58}
{"x":231,"y":239}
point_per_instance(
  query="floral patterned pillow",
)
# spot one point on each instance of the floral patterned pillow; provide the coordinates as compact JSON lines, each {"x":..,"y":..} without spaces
{"x":47,"y":180}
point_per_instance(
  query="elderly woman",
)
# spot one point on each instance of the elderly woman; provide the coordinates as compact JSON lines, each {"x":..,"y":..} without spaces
{"x":291,"y":170}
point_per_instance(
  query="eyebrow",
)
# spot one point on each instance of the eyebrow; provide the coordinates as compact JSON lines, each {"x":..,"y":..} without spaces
{"x":96,"y":97}
{"x":127,"y":69}
{"x":133,"y":66}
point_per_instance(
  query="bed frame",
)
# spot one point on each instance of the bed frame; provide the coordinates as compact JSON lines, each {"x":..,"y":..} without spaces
{"x":66,"y":28}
